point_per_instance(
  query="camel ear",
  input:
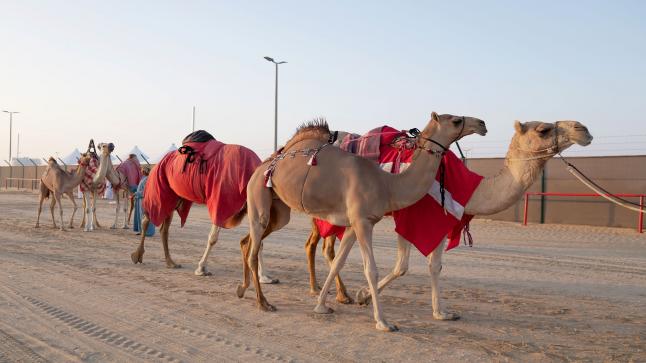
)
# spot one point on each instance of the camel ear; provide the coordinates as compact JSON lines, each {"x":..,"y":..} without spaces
{"x":434,"y":116}
{"x":520,"y":127}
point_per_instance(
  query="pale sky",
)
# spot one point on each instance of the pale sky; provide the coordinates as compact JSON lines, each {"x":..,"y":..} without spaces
{"x":129,"y":72}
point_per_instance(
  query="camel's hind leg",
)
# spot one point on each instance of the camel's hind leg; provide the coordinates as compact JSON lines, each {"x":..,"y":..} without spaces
{"x":132,"y":207}
{"x":70,"y":195}
{"x":400,"y":269}
{"x":138,"y":255}
{"x":328,"y":251}
{"x":116,"y":213}
{"x":435,"y":267}
{"x":127,"y":201}
{"x":164,"y":237}
{"x":310,"y":251}
{"x":213,"y":238}
{"x":57,"y":198}
{"x":279,"y":216}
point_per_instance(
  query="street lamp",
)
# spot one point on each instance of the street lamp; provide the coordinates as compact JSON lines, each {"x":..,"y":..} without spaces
{"x":10,"y":129}
{"x":275,"y":103}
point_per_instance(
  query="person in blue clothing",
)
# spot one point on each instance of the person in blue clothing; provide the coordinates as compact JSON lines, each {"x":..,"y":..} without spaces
{"x":139,"y":196}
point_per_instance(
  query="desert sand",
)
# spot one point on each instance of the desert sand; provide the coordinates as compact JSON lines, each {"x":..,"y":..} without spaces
{"x":535,"y":293}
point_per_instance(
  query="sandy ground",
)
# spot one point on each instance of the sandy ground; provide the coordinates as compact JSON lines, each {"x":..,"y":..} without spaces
{"x":537,"y":293}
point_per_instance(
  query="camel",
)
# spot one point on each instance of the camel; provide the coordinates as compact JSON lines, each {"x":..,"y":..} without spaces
{"x":532,"y":145}
{"x":171,"y":182}
{"x":342,"y":189}
{"x":118,"y":177}
{"x":59,"y":182}
{"x":92,"y":183}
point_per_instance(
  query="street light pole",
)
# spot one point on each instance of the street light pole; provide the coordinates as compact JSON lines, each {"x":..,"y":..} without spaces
{"x":275,"y":102}
{"x":10,"y":128}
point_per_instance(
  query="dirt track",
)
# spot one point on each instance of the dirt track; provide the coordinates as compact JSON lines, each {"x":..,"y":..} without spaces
{"x":537,"y":293}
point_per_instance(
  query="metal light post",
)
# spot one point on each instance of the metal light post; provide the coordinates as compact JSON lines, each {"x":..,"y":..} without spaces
{"x":10,"y":129}
{"x":275,"y":103}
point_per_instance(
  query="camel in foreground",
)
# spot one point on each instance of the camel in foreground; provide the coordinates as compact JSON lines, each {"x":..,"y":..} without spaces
{"x":58,"y":182}
{"x":342,"y":189}
{"x":203,"y":171}
{"x":532,"y":145}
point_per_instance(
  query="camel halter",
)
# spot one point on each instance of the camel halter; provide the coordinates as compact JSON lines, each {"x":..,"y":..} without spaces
{"x":555,"y":149}
{"x":312,"y":153}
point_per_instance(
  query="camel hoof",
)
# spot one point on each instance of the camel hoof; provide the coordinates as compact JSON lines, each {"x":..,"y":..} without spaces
{"x":266,"y":307}
{"x":322,"y":309}
{"x":363,"y":297}
{"x":137,"y":257}
{"x":240,"y":291}
{"x":383,"y":326}
{"x":446,"y":316}
{"x":113,"y":227}
{"x":70,"y":227}
{"x":344,"y":299}
{"x":37,"y":226}
{"x":202,"y":272}
{"x":173,"y":265}
{"x":268,"y":280}
{"x":125,"y":227}
{"x":315,"y":292}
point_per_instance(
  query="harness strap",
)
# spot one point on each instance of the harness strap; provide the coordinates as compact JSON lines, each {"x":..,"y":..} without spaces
{"x":190,"y":155}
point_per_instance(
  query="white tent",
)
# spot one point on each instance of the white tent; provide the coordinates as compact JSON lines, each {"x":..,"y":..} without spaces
{"x":143,"y":157}
{"x":25,"y":161}
{"x":72,"y":158}
{"x":172,"y":147}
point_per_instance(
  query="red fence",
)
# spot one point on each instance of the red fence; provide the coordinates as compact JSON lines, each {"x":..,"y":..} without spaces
{"x":640,"y":217}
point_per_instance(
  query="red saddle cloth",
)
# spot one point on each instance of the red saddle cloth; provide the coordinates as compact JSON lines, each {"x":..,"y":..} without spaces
{"x":424,"y":223}
{"x":217,"y":176}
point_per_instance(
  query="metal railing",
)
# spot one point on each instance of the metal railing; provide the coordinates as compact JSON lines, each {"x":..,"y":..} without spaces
{"x":640,"y":217}
{"x":22,"y":183}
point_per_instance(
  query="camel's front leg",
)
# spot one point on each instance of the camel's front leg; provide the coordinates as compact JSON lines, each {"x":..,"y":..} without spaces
{"x":132,"y":207}
{"x":435,"y":266}
{"x":164,"y":237}
{"x":87,"y":213}
{"x":138,"y":255}
{"x":328,"y":251}
{"x":116,"y":213}
{"x":339,"y":260}
{"x":310,"y":252}
{"x":401,"y":267}
{"x":57,"y":197}
{"x":71,"y":196}
{"x":95,"y":221}
{"x":52,"y":205}
{"x":213,"y":238}
{"x":40,"y":206}
{"x":126,"y":217}
{"x":364,"y":235}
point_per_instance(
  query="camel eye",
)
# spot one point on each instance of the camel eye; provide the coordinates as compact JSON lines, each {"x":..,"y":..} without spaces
{"x":457,"y":122}
{"x":544,"y":132}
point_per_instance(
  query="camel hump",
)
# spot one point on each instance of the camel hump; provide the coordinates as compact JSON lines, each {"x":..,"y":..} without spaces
{"x":53,"y":164}
{"x":198,"y":136}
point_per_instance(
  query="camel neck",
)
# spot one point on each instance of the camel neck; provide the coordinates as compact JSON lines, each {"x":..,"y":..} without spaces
{"x":497,"y":193}
{"x":411,"y":185}
{"x":78,"y":177}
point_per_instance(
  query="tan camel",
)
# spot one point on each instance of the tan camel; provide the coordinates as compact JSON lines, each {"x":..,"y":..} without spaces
{"x":58,"y":182}
{"x":92,"y":184}
{"x":120,"y":184}
{"x":532,"y":145}
{"x":345,"y":190}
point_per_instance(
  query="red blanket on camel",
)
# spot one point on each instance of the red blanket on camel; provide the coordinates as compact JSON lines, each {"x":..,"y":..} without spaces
{"x":424,"y":223}
{"x":216,"y":175}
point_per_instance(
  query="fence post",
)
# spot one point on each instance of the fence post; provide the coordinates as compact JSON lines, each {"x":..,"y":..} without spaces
{"x":22,"y":180}
{"x":525,"y":211}
{"x":10,"y":174}
{"x":640,"y":228}
{"x":34,"y":182}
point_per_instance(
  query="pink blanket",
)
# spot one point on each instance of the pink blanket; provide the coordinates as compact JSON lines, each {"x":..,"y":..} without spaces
{"x":216,"y":175}
{"x":132,"y":170}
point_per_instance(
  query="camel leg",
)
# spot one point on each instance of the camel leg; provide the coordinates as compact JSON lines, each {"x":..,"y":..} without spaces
{"x":346,"y":243}
{"x":126,"y":217}
{"x":52,"y":205}
{"x":71,"y":197}
{"x":116,"y":213}
{"x":132,"y":207}
{"x":213,"y":238}
{"x":164,"y":237}
{"x":328,"y":251}
{"x":310,"y":251}
{"x":137,"y":256}
{"x":435,"y":267}
{"x":95,"y":221}
{"x":40,"y":205}
{"x":364,"y":235}
{"x":264,"y":277}
{"x":87,"y":216}
{"x":400,"y":269}
{"x":82,"y":225}
{"x":57,"y":198}
{"x":279,"y":216}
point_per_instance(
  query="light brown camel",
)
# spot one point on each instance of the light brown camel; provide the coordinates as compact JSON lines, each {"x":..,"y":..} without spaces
{"x":345,"y":190}
{"x":119,"y":181}
{"x":532,"y":145}
{"x":92,"y":183}
{"x":58,"y":182}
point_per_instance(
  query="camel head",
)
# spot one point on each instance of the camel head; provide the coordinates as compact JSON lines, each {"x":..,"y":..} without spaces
{"x":536,"y":137}
{"x":446,"y":129}
{"x":84,"y":160}
{"x":106,"y":148}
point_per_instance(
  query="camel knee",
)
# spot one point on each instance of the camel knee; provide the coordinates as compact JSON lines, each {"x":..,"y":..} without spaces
{"x":435,"y":268}
{"x":400,"y":271}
